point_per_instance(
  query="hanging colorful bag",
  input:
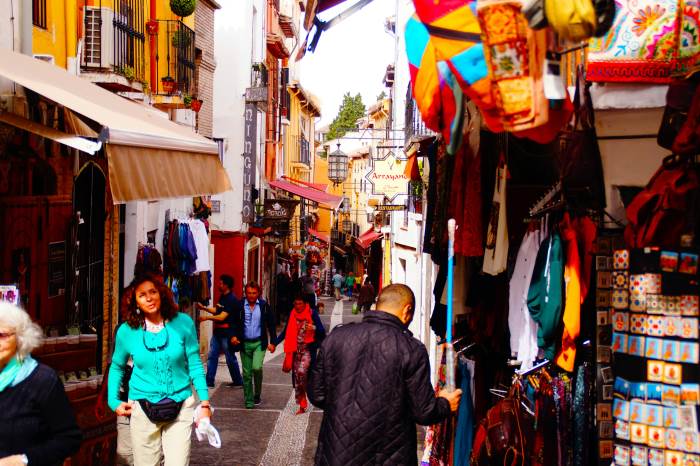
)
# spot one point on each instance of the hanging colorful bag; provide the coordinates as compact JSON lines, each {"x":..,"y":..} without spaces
{"x":515,"y":56}
{"x":572,"y":20}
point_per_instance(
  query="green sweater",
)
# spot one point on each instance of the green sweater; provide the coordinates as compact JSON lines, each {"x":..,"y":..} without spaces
{"x":545,"y":298}
{"x":158,"y":374}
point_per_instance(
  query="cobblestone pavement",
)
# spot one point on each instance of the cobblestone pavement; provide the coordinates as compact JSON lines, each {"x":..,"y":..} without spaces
{"x":271,"y":434}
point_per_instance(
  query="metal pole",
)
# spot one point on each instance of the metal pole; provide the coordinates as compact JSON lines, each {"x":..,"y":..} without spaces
{"x":450,"y":357}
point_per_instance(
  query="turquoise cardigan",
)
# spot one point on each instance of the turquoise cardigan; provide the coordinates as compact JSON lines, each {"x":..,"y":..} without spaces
{"x":163,"y":374}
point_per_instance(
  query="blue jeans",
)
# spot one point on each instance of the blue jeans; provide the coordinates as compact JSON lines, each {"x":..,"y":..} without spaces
{"x":218,"y":344}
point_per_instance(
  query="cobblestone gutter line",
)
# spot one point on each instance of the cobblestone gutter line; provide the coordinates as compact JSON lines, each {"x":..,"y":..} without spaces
{"x":287,"y":441}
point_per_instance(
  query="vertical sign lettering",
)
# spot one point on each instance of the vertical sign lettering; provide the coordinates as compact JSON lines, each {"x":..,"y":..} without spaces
{"x":249,"y":149}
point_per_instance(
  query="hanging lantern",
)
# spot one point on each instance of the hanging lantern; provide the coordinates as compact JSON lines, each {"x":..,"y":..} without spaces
{"x":345,"y":207}
{"x":337,"y":166}
{"x":347,"y":226}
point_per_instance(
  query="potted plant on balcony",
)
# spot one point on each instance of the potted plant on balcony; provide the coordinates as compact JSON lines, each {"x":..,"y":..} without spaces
{"x":187,"y":100}
{"x":169,"y":84}
{"x":196,"y":104}
{"x":183,"y":8}
{"x":152,"y":27}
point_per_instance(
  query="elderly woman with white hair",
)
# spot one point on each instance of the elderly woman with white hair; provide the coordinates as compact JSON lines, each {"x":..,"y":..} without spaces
{"x":37,"y":424}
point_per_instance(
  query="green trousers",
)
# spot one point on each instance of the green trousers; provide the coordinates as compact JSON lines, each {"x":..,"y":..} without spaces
{"x":252,"y":357}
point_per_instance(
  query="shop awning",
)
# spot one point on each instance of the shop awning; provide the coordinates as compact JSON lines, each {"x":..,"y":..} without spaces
{"x":149,"y":156}
{"x":325,"y":199}
{"x":70,"y":140}
{"x":366,"y":239}
{"x":322,"y":236}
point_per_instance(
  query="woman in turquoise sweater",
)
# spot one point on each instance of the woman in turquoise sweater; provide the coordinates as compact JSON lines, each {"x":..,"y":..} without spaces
{"x":162,"y":343}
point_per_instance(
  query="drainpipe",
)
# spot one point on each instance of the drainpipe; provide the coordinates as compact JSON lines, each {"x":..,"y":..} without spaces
{"x":26,"y":27}
{"x":153,"y":44}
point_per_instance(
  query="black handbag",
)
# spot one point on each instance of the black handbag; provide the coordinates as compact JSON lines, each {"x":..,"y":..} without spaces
{"x":166,"y":410}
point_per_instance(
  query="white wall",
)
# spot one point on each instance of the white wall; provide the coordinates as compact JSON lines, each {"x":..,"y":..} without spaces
{"x":9,"y":35}
{"x":239,"y":41}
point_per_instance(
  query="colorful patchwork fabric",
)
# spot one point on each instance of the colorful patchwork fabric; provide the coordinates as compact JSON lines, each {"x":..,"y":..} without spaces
{"x":651,"y":41}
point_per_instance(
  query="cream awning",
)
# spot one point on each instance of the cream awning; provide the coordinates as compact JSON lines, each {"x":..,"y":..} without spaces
{"x":150,"y":157}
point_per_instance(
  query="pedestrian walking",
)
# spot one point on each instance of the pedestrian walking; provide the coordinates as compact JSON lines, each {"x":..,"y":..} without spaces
{"x":254,"y":327}
{"x":337,"y":284}
{"x":349,"y":284}
{"x":37,"y":425}
{"x":163,"y":345}
{"x":222,"y":316}
{"x":308,"y":288}
{"x":372,"y":381}
{"x":303,"y":332}
{"x":366,"y":296}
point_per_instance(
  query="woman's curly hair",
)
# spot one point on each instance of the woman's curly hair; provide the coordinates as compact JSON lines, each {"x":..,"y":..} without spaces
{"x":168,"y":308}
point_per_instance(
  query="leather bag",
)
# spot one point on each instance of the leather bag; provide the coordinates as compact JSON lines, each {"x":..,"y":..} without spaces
{"x":506,"y":435}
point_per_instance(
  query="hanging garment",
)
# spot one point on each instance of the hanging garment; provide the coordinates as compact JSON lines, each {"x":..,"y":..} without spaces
{"x":523,"y":329}
{"x":572,"y":308}
{"x":462,"y":272}
{"x":544,"y":446}
{"x":464,"y":433}
{"x":437,"y":451}
{"x":465,"y":206}
{"x":584,"y":392}
{"x":545,"y":297}
{"x":201,"y":242}
{"x":586,"y":232}
{"x":496,"y":255}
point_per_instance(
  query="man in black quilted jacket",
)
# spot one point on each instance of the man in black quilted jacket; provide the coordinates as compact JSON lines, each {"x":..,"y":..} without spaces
{"x":372,"y":381}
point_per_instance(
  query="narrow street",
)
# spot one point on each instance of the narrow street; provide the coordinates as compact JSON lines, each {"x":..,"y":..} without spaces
{"x":271,"y":434}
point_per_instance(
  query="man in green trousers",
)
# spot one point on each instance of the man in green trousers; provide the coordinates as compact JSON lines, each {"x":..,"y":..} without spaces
{"x":254,"y":331}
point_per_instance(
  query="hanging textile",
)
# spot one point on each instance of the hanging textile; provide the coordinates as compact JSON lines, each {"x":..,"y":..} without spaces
{"x":201,"y":242}
{"x":572,"y":303}
{"x":523,"y":329}
{"x":496,"y":254}
{"x":545,"y":297}
{"x":148,"y":260}
{"x":438,"y":438}
{"x":650,"y":41}
{"x":464,"y":434}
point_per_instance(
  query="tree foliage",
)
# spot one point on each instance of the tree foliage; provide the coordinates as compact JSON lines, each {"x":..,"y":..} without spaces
{"x":349,"y":112}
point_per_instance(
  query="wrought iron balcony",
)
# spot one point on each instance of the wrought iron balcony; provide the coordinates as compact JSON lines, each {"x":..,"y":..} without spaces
{"x":414,"y":126}
{"x":175,"y":57}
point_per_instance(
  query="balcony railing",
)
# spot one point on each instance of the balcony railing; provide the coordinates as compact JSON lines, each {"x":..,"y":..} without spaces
{"x":304,"y":153}
{"x":175,"y":57}
{"x":115,"y":39}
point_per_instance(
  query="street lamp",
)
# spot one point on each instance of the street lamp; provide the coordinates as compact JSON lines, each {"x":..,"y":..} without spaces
{"x":337,"y":166}
{"x":347,"y":225}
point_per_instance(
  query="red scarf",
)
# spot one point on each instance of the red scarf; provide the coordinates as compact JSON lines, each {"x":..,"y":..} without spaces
{"x":290,"y":338}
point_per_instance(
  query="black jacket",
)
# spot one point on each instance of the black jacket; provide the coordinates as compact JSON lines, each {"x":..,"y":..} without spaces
{"x":372,"y":381}
{"x":267,"y":318}
{"x":36,"y":419}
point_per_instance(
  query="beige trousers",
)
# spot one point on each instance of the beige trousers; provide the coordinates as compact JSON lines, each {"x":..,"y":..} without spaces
{"x":172,"y":440}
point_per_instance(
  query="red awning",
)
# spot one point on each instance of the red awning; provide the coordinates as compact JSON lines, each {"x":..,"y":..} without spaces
{"x":329,"y":201}
{"x":322,"y":236}
{"x":367,"y":238}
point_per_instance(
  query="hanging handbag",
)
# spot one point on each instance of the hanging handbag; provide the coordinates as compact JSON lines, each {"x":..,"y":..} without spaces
{"x":678,"y":99}
{"x":578,"y":154}
{"x":573,"y":20}
{"x":166,"y":410}
{"x":605,"y":15}
{"x":505,"y":435}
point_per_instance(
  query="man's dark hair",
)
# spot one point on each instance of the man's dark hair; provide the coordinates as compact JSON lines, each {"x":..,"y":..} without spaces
{"x":396,"y":294}
{"x":253,"y":284}
{"x":227,"y":280}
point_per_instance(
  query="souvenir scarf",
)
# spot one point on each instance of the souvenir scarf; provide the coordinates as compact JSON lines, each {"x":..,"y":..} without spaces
{"x":290,"y":338}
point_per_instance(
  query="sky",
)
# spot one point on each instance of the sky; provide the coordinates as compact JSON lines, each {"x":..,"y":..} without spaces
{"x":350,"y":57}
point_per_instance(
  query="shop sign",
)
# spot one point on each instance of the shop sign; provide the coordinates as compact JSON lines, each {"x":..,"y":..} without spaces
{"x":390,"y":207}
{"x":387,"y":177}
{"x":57,"y":268}
{"x":256,"y":94}
{"x":279,"y":210}
{"x":249,"y":156}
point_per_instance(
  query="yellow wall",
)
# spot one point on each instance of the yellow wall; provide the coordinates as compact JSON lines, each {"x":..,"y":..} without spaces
{"x":64,"y":20}
{"x":52,"y":40}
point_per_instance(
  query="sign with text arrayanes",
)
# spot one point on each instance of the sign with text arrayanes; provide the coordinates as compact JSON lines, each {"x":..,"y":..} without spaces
{"x":250,"y":133}
{"x":387,"y":177}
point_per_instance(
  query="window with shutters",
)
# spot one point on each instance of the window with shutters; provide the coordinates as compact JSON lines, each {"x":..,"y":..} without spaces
{"x":39,"y":13}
